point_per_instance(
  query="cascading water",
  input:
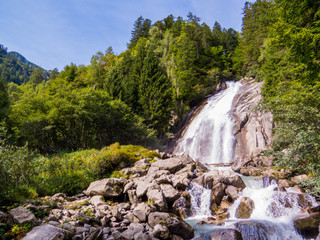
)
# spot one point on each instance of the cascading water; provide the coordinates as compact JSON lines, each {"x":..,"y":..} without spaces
{"x":209,"y":139}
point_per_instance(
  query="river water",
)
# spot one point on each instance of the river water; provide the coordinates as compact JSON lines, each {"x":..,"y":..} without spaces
{"x":210,"y":140}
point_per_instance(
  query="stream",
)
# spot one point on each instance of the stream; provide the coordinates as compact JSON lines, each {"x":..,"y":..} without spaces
{"x":209,"y":139}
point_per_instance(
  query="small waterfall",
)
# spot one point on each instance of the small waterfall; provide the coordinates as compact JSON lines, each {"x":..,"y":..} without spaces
{"x":209,"y":138}
{"x":200,"y":200}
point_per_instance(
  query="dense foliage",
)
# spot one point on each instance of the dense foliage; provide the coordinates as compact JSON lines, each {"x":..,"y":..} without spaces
{"x":284,"y":52}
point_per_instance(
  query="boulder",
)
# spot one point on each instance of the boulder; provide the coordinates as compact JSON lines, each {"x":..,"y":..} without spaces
{"x":134,"y":171}
{"x":98,"y":201}
{"x":155,"y":218}
{"x":224,"y":234}
{"x":209,"y":179}
{"x":240,"y":162}
{"x":48,"y":232}
{"x":133,"y":197}
{"x":253,"y":230}
{"x":161,"y":231}
{"x":156,"y":197}
{"x":232,"y":192}
{"x":300,"y":178}
{"x":180,"y":181}
{"x":142,"y":211}
{"x":171,"y":164}
{"x":217,"y":193}
{"x":143,"y":163}
{"x":170,"y":193}
{"x":143,"y":186}
{"x":108,"y":187}
{"x":308,"y":225}
{"x":245,"y":208}
{"x":22,"y":215}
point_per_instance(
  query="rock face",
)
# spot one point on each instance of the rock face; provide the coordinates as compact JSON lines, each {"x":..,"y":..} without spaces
{"x":252,"y":128}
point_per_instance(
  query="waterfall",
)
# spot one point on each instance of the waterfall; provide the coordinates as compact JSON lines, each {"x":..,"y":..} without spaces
{"x":209,"y":138}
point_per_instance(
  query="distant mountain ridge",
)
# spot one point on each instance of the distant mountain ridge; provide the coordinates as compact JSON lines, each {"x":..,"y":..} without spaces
{"x":16,"y":68}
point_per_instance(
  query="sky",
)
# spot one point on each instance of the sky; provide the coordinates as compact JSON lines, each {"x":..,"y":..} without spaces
{"x":55,"y":33}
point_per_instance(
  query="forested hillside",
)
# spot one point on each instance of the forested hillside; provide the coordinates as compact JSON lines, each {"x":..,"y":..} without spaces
{"x":16,"y":68}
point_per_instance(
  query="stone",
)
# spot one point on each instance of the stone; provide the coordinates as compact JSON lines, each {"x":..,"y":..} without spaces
{"x":138,"y":171}
{"x":240,"y":162}
{"x":143,"y":163}
{"x":161,"y":231}
{"x":128,"y":186}
{"x":143,"y":186}
{"x":232,"y":192}
{"x":48,"y":232}
{"x":143,"y":236}
{"x":171,"y":164}
{"x":127,"y":234}
{"x":155,"y":218}
{"x":284,"y":183}
{"x":97,"y":201}
{"x":108,"y":187}
{"x":156,"y":197}
{"x":217,"y":193}
{"x":245,"y":208}
{"x":209,"y":179}
{"x":22,"y":215}
{"x":133,"y":197}
{"x":169,"y":192}
{"x":179,"y":227}
{"x":224,"y":234}
{"x":181,"y":181}
{"x":300,"y":178}
{"x":308,"y":225}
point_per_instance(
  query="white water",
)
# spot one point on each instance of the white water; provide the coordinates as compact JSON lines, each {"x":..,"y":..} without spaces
{"x":209,"y":139}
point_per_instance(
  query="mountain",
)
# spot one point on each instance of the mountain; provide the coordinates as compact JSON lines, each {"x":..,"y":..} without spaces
{"x":16,"y":68}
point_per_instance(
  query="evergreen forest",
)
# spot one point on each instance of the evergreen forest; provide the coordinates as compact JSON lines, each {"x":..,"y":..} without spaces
{"x":61,"y":130}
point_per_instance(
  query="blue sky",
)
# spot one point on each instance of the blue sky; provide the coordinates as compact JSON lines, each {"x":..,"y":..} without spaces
{"x":54,"y":33}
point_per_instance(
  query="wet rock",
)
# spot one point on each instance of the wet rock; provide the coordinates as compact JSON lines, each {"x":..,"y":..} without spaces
{"x":308,"y":225}
{"x":232,"y":192}
{"x":245,"y":208}
{"x":252,"y":230}
{"x":171,"y":164}
{"x":209,"y":179}
{"x":169,"y":192}
{"x":217,"y":193}
{"x":108,"y":187}
{"x":22,"y":215}
{"x":181,"y":207}
{"x":284,"y":183}
{"x":224,"y":234}
{"x":48,"y":232}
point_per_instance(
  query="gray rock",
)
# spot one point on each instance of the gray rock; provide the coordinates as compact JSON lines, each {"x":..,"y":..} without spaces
{"x":133,"y":198}
{"x":217,"y":193}
{"x":127,"y":234}
{"x":156,"y":197}
{"x":169,"y":192}
{"x":142,"y":236}
{"x":142,"y":211}
{"x":232,"y":192}
{"x":225,"y":234}
{"x":108,"y":187}
{"x":181,"y":181}
{"x":155,"y":218}
{"x":48,"y":232}
{"x":137,"y":171}
{"x":143,"y":186}
{"x":97,"y":201}
{"x":161,"y":231}
{"x":245,"y":208}
{"x":171,"y":164}
{"x":209,"y":179}
{"x":143,"y":163}
{"x":55,"y":223}
{"x":22,"y":215}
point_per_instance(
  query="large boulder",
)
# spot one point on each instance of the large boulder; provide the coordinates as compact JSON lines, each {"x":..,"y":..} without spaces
{"x":209,"y":179}
{"x":171,"y":164}
{"x":245,"y":208}
{"x":217,"y":193}
{"x":174,"y":224}
{"x":156,"y":197}
{"x":170,"y":193}
{"x":48,"y":232}
{"x":22,"y":215}
{"x":108,"y":187}
{"x":308,"y":225}
{"x":224,"y":234}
